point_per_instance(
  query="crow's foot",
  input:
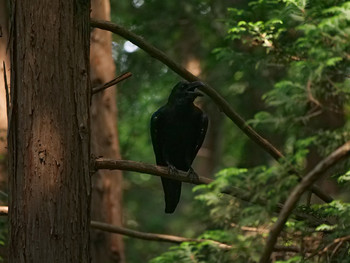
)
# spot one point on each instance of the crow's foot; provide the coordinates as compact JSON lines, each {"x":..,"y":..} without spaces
{"x":172,"y":170}
{"x":192,"y":175}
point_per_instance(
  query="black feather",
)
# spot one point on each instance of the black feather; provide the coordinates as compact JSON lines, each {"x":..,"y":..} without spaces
{"x":178,"y":130}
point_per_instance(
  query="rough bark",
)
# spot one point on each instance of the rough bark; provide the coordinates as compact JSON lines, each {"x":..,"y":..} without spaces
{"x":4,"y":57}
{"x":107,"y":185}
{"x":49,"y":151}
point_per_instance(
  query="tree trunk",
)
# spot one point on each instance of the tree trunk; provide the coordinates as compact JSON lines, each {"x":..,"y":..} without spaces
{"x":4,"y":57}
{"x":49,"y":151}
{"x":107,"y":185}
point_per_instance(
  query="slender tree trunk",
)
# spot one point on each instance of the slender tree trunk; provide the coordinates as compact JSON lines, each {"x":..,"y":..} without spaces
{"x":4,"y":57}
{"x":49,"y":151}
{"x":107,"y":185}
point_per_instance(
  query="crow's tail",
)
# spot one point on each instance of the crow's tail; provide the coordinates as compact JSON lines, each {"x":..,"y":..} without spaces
{"x":172,"y":192}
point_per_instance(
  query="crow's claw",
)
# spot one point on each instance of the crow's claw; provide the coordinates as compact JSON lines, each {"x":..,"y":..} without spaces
{"x":172,"y":170}
{"x":192,"y":175}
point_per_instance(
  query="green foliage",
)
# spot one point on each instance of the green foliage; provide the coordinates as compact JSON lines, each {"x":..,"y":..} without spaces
{"x":301,"y":49}
{"x":285,"y":65}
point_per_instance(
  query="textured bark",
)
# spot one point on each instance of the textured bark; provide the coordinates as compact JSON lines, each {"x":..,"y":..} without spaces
{"x":4,"y":57}
{"x":49,"y":151}
{"x":107,"y":185}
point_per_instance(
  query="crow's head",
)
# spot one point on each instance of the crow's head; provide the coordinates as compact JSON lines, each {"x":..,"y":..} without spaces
{"x":184,"y":92}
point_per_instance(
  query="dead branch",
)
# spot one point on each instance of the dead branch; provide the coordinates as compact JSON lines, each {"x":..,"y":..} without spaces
{"x":297,"y":192}
{"x":126,"y":165}
{"x":338,"y":242}
{"x":111,"y":83}
{"x":152,"y":236}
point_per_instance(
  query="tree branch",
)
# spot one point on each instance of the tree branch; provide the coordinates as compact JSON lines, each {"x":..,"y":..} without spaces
{"x":132,"y":166}
{"x":111,"y":83}
{"x":159,"y":237}
{"x":211,"y":92}
{"x":127,"y":165}
{"x":338,"y":242}
{"x":152,"y":236}
{"x":297,"y":192}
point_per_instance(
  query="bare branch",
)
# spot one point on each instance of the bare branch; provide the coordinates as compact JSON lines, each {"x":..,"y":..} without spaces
{"x":159,"y":237}
{"x":242,"y":194}
{"x":211,"y":92}
{"x":338,"y":242}
{"x":112,"y":82}
{"x":126,"y":165}
{"x":152,"y":236}
{"x":297,"y":192}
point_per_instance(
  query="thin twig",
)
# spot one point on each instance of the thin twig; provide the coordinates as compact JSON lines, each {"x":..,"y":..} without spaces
{"x":112,"y":82}
{"x":310,"y":96}
{"x":258,"y":230}
{"x":297,"y":192}
{"x":8,"y":106}
{"x":338,"y":241}
{"x":211,"y":92}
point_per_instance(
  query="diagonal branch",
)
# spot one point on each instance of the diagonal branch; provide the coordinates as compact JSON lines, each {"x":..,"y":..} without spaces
{"x":111,"y":83}
{"x":211,"y":92}
{"x":297,"y":192}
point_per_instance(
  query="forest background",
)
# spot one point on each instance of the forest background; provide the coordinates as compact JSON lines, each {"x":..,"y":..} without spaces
{"x":284,"y":67}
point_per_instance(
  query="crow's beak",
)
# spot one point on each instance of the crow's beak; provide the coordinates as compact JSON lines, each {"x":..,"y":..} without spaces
{"x":192,"y":86}
{"x":195,"y":84}
{"x":194,"y":93}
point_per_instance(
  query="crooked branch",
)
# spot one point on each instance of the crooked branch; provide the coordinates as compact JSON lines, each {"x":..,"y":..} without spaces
{"x":112,"y":82}
{"x":297,"y":192}
{"x":211,"y":92}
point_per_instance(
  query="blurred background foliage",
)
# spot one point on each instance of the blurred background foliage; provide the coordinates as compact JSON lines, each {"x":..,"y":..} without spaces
{"x":284,"y":66}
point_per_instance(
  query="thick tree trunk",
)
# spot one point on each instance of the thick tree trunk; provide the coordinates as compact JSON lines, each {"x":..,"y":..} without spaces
{"x":49,"y":151}
{"x":107,"y":185}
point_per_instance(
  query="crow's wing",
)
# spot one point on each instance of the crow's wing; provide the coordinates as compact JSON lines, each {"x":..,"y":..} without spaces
{"x":156,"y":124}
{"x":202,"y":126}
